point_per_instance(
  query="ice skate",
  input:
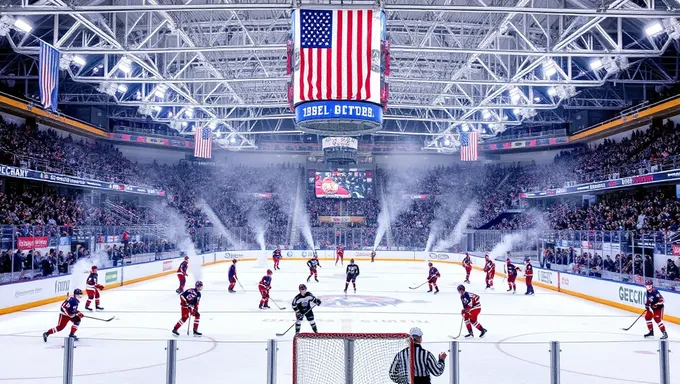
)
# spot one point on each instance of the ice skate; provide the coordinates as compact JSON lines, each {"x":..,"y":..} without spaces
{"x":197,"y":333}
{"x":650,"y":334}
{"x":100,"y":308}
{"x":45,"y":335}
{"x":74,"y":337}
{"x":483,"y":333}
{"x":174,"y":332}
{"x":664,"y":336}
{"x":469,"y":335}
{"x":178,"y":290}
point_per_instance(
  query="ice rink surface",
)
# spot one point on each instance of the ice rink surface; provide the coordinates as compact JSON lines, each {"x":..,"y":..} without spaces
{"x":131,"y":348}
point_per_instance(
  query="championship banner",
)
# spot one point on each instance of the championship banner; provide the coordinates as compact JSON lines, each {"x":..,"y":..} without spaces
{"x":341,"y":219}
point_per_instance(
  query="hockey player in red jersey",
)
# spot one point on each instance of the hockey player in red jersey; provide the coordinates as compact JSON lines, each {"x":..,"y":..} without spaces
{"x":92,"y":287}
{"x":654,"y":310}
{"x":264,"y":287}
{"x":182,"y":274}
{"x":373,"y":256}
{"x":339,"y":254}
{"x":313,"y":263}
{"x":232,"y":276}
{"x":512,"y":276}
{"x":277,"y":257}
{"x":529,"y":276}
{"x":189,"y":301}
{"x":467,"y":264}
{"x":472,"y":306}
{"x":68,"y":312}
{"x":490,"y":269}
{"x":432,"y":276}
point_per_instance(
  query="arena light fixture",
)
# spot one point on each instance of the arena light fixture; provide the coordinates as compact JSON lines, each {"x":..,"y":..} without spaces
{"x":516,"y":111}
{"x":596,"y":64}
{"x":515,"y":94}
{"x":537,"y":99}
{"x":125,"y":65}
{"x":653,"y":29}
{"x":465,"y":127}
{"x":160,"y":90}
{"x":232,"y":140}
{"x":122,"y":88}
{"x":552,"y":91}
{"x":157,"y":108}
{"x":79,"y":60}
{"x":185,"y":124}
{"x":189,"y":112}
{"x":23,"y":25}
{"x":447,"y":142}
{"x":672,"y":27}
{"x":212,"y":124}
{"x":549,"y":68}
{"x":486,"y":114}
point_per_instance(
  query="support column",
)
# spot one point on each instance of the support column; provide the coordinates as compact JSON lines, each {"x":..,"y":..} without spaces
{"x":664,"y":364}
{"x":555,"y":362}
{"x":454,"y":372}
{"x":349,"y":361}
{"x":171,"y":362}
{"x":69,"y":345}
{"x":272,"y":350}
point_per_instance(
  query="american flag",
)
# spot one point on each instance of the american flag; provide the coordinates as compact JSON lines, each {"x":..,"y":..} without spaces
{"x":203,"y":143}
{"x":339,"y":55}
{"x":468,"y":146}
{"x":48,"y":77}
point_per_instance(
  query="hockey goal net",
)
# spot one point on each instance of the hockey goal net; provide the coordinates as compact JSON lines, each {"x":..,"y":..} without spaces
{"x":352,"y":358}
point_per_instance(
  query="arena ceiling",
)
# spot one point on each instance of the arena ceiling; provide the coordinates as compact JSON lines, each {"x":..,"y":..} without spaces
{"x":456,"y":64}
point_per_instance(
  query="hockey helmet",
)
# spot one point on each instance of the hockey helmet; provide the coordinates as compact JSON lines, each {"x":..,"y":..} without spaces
{"x":269,"y":272}
{"x":429,"y":264}
{"x":316,"y":256}
{"x":461,"y":288}
{"x":649,"y":284}
{"x":486,"y":256}
{"x":508,"y":261}
{"x":527,"y":260}
{"x":77,"y":292}
{"x":94,"y":268}
{"x":186,"y":258}
{"x":199,"y":285}
{"x":351,"y":261}
{"x":302,"y":287}
{"x":234,"y":261}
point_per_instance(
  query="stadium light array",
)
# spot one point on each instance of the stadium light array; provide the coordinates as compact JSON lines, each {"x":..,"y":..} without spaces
{"x":125,"y":65}
{"x":465,"y":127}
{"x":160,"y":90}
{"x":516,"y":111}
{"x":515,"y":94}
{"x":549,"y":68}
{"x":596,"y":64}
{"x":189,"y":112}
{"x":653,"y":29}
{"x":447,"y":142}
{"x":23,"y":25}
{"x":157,"y":108}
{"x":79,"y":60}
{"x":486,"y":114}
{"x":552,"y":91}
{"x":122,"y":88}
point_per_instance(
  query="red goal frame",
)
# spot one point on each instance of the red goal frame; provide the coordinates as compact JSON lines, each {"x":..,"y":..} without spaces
{"x":342,"y":336}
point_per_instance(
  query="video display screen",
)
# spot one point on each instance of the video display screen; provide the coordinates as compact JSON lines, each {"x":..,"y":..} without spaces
{"x":343,"y":184}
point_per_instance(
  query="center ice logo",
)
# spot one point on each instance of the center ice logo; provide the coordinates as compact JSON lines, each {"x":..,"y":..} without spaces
{"x":361,"y":301}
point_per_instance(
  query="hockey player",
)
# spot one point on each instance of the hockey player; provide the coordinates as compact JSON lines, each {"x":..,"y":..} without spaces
{"x":372,"y":256}
{"x":92,"y":287}
{"x":490,"y":269}
{"x":232,"y":276}
{"x":339,"y":254}
{"x":182,"y":274}
{"x":471,"y":309}
{"x":313,"y":263}
{"x":467,"y":264}
{"x":529,"y":276}
{"x":189,"y":301}
{"x":277,"y":257}
{"x":68,"y":312}
{"x":264,"y":286}
{"x":432,"y":277}
{"x":512,"y":276}
{"x":302,"y":305}
{"x":352,"y":272}
{"x":654,"y":306}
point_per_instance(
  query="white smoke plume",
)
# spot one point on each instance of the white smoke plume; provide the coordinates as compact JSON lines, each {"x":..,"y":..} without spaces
{"x":456,"y":236}
{"x":397,"y":188}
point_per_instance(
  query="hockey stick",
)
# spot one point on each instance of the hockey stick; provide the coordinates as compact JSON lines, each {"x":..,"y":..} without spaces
{"x":97,"y":318}
{"x":291,"y":327}
{"x":460,"y":330}
{"x":636,"y":320}
{"x":419,"y":285}
{"x":277,"y":306}
{"x":239,"y":283}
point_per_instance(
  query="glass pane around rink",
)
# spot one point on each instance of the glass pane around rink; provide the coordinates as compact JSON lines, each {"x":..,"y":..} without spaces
{"x":506,"y":362}
{"x":27,"y":359}
{"x":203,"y":360}
{"x":101,"y":359}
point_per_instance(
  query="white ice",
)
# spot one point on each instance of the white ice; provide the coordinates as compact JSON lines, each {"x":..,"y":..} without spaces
{"x":131,"y":348}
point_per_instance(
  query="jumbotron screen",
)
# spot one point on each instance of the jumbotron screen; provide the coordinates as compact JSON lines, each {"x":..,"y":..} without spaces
{"x":343,"y":184}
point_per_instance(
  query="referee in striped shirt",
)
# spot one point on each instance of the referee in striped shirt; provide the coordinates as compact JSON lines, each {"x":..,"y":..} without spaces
{"x":424,"y":362}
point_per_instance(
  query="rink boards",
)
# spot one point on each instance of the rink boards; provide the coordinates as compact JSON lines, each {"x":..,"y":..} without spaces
{"x":21,"y":296}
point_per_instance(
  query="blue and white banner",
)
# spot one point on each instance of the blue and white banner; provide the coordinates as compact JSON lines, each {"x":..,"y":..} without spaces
{"x":346,"y":110}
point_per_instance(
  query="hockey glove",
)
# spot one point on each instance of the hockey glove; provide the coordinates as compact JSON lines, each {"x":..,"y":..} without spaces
{"x":648,"y":308}
{"x":298,"y":316}
{"x":318,"y":302}
{"x":80,"y":315}
{"x":100,"y":287}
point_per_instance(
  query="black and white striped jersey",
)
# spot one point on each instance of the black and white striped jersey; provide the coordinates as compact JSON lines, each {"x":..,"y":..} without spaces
{"x":424,"y":362}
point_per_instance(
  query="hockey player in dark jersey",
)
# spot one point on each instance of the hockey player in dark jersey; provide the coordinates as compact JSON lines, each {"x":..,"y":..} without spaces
{"x":352,"y":272}
{"x":182,"y":274}
{"x":467,"y":264}
{"x":512,"y":276}
{"x":189,"y":300}
{"x":303,"y":304}
{"x":264,"y":287}
{"x":68,"y":312}
{"x":654,"y":310}
{"x":432,"y":276}
{"x":92,"y":287}
{"x":232,"y":276}
{"x":277,"y":257}
{"x":472,"y":306}
{"x":373,"y":256}
{"x":313,"y":263}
